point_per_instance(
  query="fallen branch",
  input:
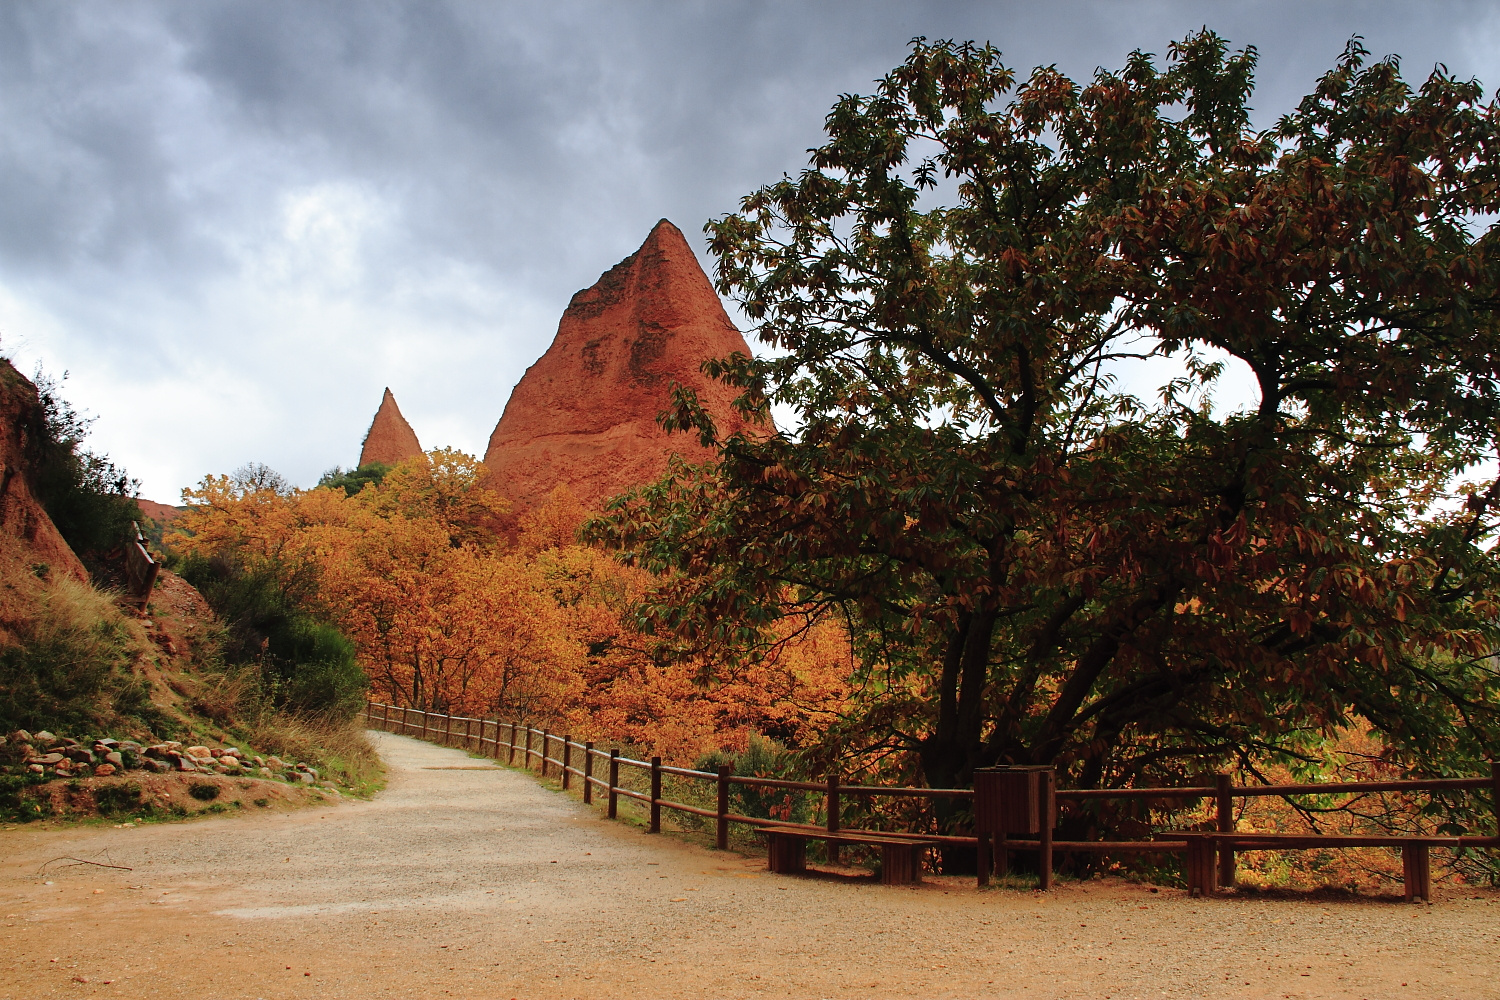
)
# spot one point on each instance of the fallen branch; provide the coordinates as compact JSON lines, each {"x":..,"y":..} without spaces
{"x":81,"y":861}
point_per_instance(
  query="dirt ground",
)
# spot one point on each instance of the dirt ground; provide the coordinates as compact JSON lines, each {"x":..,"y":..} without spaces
{"x":466,"y":880}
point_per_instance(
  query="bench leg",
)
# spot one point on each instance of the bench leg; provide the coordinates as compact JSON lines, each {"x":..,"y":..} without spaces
{"x":1416,"y":872}
{"x":786,"y":854}
{"x":1200,"y":867}
{"x":900,"y":864}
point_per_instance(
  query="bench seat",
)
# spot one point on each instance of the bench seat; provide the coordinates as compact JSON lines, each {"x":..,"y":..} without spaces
{"x":1204,"y":845}
{"x":900,"y":853}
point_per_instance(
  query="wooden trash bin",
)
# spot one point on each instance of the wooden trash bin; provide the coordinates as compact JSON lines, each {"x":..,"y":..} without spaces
{"x":1014,"y":800}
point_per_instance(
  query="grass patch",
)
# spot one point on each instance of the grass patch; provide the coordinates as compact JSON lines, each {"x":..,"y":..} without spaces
{"x":339,"y":749}
{"x":113,"y":799}
{"x":203,"y":791}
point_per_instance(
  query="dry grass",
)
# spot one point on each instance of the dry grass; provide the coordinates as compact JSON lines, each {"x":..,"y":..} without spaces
{"x":339,"y":748}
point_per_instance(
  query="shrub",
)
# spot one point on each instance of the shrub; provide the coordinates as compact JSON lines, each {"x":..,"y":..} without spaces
{"x":762,"y":758}
{"x":90,"y":499}
{"x":313,"y":670}
{"x":203,"y":791}
{"x":120,"y":798}
{"x":304,"y":665}
{"x":354,"y":480}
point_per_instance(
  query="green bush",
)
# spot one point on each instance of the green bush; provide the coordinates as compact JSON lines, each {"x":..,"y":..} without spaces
{"x":120,"y":798}
{"x":314,"y":671}
{"x":90,"y":499}
{"x":354,"y":480}
{"x":762,"y":758}
{"x":203,"y":791}
{"x":305,"y":666}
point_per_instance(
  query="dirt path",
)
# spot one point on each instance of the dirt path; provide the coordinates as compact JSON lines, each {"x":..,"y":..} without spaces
{"x":481,"y":883}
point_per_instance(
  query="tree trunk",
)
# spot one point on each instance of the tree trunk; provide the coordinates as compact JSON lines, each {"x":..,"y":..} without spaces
{"x":951,"y":752}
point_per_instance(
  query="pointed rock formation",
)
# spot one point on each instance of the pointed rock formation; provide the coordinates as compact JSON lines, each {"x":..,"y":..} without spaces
{"x":585,"y":414}
{"x":391,"y":439}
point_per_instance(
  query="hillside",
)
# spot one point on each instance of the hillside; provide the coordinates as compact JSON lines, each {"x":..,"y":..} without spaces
{"x":96,"y":694}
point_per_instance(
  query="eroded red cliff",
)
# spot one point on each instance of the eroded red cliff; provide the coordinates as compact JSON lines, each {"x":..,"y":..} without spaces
{"x":30,"y":535}
{"x":585,"y":414}
{"x":390,"y":439}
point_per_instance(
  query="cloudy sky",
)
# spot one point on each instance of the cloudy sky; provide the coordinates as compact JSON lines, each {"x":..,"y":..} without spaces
{"x":233,"y":224}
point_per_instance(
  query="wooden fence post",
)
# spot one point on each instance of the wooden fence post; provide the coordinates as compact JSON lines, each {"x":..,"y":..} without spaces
{"x":448,"y":729}
{"x":721,"y":833}
{"x":1048,"y":792}
{"x":567,"y":760}
{"x":1495,"y":792}
{"x":832,"y":810}
{"x":614,"y":783}
{"x":426,"y":722}
{"x":468,"y":734}
{"x":385,"y":719}
{"x":588,"y":772}
{"x":511,"y":742}
{"x":546,"y":739}
{"x":526,"y":760}
{"x":656,"y":795}
{"x":1224,"y":808}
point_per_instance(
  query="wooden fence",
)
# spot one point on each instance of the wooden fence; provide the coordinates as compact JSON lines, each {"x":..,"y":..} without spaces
{"x":600,"y":770}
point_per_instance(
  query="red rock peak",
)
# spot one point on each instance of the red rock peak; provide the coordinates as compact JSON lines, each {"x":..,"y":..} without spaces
{"x":585,"y":414}
{"x":390,"y":439}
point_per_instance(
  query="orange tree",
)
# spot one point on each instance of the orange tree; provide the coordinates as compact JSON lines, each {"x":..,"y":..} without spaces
{"x":1041,"y":567}
{"x":447,"y":613}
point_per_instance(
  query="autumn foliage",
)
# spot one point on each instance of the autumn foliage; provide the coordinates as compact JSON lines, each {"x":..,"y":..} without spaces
{"x":453,"y":606}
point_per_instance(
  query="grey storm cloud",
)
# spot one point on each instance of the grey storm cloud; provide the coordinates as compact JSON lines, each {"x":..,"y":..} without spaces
{"x":235,"y":223}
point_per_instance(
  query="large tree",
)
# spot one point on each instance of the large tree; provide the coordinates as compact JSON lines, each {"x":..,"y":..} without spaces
{"x":1037,"y":565}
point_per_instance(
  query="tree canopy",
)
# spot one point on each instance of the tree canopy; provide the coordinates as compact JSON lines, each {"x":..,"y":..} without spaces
{"x":1038,"y":566}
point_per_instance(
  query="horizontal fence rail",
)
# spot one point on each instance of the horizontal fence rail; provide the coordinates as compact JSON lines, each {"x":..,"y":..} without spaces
{"x":599,"y":771}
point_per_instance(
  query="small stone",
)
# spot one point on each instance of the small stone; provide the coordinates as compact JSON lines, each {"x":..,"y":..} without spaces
{"x":19,"y":736}
{"x":275,"y":763}
{"x":79,"y":755}
{"x":302,"y":767}
{"x":260,"y":761}
{"x":35,"y":768}
{"x":45,"y":738}
{"x":156,"y":766}
{"x":198,"y":752}
{"x":48,"y":759}
{"x":108,"y":742}
{"x":103,"y":770}
{"x":266,"y":772}
{"x":116,"y":758}
{"x":171,"y":744}
{"x":233,"y":752}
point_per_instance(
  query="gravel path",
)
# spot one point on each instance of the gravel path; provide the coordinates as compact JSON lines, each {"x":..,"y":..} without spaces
{"x":464,"y":882}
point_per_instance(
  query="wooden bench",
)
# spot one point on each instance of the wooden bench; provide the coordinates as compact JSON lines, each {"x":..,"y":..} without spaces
{"x":900,"y":854}
{"x":1416,"y":869}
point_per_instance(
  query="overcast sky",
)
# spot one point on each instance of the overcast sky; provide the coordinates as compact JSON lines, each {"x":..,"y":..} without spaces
{"x":233,"y":224}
